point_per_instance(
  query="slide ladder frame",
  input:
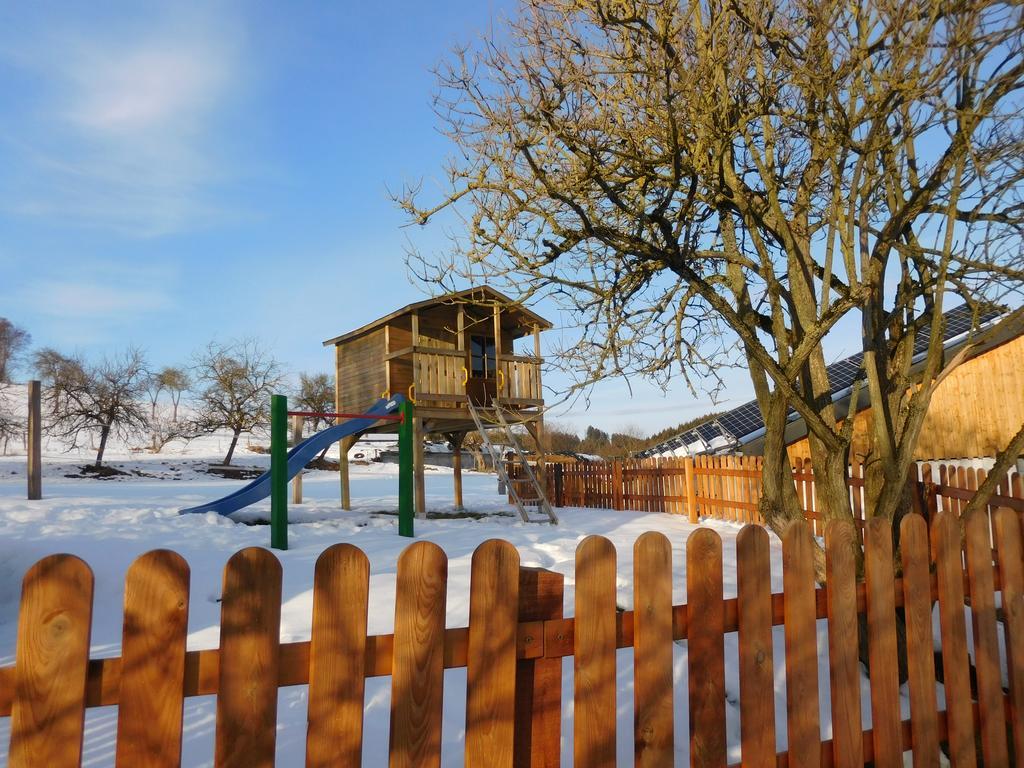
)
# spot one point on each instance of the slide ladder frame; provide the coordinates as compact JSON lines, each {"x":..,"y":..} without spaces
{"x":499,"y":465}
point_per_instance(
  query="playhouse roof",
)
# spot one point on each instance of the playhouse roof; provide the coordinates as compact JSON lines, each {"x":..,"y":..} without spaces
{"x":480,"y":296}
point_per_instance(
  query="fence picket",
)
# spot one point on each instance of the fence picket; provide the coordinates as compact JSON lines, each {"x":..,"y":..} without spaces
{"x":706,"y":652}
{"x":801,"y":645}
{"x":152,"y":690}
{"x":978,"y":549}
{"x":917,"y":607}
{"x":250,"y":625}
{"x":652,"y":656}
{"x":882,"y":660}
{"x":1011,"y":576}
{"x":491,"y":656}
{"x":417,"y":677}
{"x":843,"y":646}
{"x":337,"y":652}
{"x":594,"y":639}
{"x":51,"y":662}
{"x":945,"y":536}
{"x":757,"y":674}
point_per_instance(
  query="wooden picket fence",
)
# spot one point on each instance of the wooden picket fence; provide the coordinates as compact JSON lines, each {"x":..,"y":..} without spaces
{"x":515,"y":642}
{"x":729,"y":487}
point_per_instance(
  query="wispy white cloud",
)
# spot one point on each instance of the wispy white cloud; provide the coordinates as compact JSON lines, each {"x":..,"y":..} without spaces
{"x":90,"y":300}
{"x":122,"y":130}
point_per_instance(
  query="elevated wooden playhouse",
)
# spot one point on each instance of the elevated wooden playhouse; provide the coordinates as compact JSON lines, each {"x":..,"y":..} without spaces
{"x":444,"y":353}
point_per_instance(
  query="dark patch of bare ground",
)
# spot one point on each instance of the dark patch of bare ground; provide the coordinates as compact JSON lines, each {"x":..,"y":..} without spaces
{"x":235,"y":473}
{"x":106,"y":472}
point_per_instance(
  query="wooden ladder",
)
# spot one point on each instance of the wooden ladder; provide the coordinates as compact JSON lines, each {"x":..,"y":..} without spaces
{"x":499,"y":465}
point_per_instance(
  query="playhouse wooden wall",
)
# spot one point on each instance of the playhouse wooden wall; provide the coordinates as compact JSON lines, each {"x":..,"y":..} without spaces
{"x":360,"y":371}
{"x":973,"y":413}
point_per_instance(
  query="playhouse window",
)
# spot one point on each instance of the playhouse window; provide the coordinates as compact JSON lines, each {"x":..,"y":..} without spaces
{"x":482,"y":358}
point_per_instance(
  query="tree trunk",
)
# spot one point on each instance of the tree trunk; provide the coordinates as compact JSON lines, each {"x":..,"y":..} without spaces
{"x":231,"y":448}
{"x":104,"y":434}
{"x":174,"y":411}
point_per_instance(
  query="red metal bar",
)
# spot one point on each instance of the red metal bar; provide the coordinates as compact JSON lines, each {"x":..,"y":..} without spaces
{"x":374,"y":416}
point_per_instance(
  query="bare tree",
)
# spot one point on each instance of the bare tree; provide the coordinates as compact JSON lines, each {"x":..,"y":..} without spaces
{"x":13,"y":342}
{"x":315,"y":394}
{"x":176,"y":382}
{"x":100,"y":400}
{"x":164,"y":430}
{"x":11,"y":426}
{"x":154,"y":388}
{"x":58,"y":374}
{"x":235,"y":382}
{"x":728,"y":179}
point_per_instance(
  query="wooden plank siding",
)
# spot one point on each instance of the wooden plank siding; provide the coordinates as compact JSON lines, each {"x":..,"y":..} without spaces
{"x":361,"y":375}
{"x":973,"y":412}
{"x":53,"y":680}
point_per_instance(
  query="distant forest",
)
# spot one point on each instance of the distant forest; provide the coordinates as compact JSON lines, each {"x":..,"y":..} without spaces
{"x":614,"y":445}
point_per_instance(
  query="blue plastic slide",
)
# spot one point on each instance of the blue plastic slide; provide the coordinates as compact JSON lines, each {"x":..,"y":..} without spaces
{"x":298,"y":457}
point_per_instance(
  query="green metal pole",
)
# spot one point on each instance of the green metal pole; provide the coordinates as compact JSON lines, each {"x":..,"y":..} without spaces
{"x":279,"y":472}
{"x":405,"y":492}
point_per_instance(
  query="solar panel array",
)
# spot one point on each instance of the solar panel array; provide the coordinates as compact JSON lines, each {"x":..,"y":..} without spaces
{"x":746,"y":419}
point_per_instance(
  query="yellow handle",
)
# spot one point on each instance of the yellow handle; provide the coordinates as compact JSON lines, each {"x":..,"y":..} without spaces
{"x":385,"y":395}
{"x":501,"y":380}
{"x":412,"y":397}
{"x":465,"y":375}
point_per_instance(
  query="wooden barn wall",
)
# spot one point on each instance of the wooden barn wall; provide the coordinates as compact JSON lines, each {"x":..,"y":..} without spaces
{"x":360,"y":372}
{"x":974,"y":412}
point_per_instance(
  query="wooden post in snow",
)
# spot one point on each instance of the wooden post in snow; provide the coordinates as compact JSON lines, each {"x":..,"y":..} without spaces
{"x":297,"y":423}
{"x":35,"y":441}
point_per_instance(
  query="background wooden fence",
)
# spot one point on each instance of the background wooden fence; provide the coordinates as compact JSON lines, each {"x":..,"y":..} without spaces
{"x":516,"y":640}
{"x":729,"y":487}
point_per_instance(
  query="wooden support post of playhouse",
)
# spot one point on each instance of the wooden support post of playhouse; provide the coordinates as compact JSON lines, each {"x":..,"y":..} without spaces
{"x":346,"y":487}
{"x":297,"y":422}
{"x":691,"y":492}
{"x":538,"y":719}
{"x":279,"y":472}
{"x":455,"y":439}
{"x":35,"y":441}
{"x":536,"y":430}
{"x":417,"y":467}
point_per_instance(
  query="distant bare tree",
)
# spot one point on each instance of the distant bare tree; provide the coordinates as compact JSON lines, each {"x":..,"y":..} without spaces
{"x":235,"y":382}
{"x":316,"y":394}
{"x":13,"y":341}
{"x":11,"y":426}
{"x":154,"y":388}
{"x":100,"y":400}
{"x":164,"y":429}
{"x":59,"y":374}
{"x":176,"y":382}
{"x":725,"y":181}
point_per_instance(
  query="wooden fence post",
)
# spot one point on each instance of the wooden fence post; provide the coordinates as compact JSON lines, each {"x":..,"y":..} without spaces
{"x":691,"y":493}
{"x":538,"y":718}
{"x":617,"y":485}
{"x":559,"y":478}
{"x":35,"y":441}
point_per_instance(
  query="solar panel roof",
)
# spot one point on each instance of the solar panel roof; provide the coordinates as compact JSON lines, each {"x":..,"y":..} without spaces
{"x":746,"y":419}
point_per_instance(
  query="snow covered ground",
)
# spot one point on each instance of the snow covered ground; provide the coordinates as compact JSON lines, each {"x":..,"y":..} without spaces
{"x":110,"y":522}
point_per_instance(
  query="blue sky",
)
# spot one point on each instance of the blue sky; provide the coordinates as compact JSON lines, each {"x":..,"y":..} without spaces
{"x":185,"y":172}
